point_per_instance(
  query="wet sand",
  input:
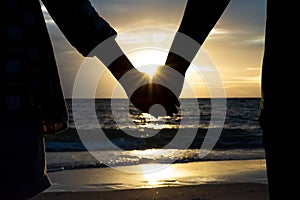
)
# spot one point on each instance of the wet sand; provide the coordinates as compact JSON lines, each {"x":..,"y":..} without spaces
{"x":224,"y":180}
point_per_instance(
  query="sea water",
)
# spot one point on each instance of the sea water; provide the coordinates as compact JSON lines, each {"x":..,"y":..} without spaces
{"x":240,"y":138}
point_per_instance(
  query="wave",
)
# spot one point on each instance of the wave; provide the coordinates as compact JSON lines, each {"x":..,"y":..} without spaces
{"x":229,"y":139}
{"x":83,"y":159}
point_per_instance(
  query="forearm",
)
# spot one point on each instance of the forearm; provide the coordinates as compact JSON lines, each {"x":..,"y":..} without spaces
{"x":114,"y":59}
{"x":112,"y":56}
{"x":89,"y":33}
{"x":196,"y":24}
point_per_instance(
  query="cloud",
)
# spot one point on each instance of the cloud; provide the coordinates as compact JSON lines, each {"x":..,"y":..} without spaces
{"x":255,"y":41}
{"x":219,"y":31}
{"x":244,"y":79}
{"x":194,"y":69}
{"x":238,"y":35}
{"x":253,"y":68}
{"x":159,"y":37}
{"x":146,"y":37}
{"x":132,"y":39}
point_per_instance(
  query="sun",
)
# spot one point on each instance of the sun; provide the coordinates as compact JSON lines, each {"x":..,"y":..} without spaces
{"x":148,"y":60}
{"x":150,"y":70}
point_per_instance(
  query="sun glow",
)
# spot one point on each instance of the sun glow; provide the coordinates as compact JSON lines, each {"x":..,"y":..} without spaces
{"x":148,"y":60}
{"x":159,"y":177}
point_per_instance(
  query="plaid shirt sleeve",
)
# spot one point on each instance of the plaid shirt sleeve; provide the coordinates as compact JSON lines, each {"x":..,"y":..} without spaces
{"x":80,"y":23}
{"x":29,"y":78}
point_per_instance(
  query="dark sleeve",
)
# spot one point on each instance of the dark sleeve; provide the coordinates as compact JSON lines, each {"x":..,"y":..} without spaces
{"x":200,"y":17}
{"x":80,"y":23}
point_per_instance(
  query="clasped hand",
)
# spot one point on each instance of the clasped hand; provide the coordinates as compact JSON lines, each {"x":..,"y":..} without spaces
{"x":162,"y":89}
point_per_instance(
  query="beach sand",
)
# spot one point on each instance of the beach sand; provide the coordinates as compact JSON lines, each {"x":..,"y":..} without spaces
{"x":223,"y":180}
{"x":237,"y":191}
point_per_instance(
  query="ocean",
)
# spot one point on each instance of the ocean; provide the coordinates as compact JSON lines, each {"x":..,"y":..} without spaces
{"x":240,"y":135}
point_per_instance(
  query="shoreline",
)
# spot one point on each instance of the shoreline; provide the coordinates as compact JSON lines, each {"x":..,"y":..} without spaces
{"x":58,"y":161}
{"x":235,"y":179}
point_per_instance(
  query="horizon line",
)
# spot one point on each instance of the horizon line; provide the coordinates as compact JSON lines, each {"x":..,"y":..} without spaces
{"x":179,"y":98}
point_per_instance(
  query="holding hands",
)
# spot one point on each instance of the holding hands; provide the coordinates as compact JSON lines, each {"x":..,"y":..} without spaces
{"x":165,"y":86}
{"x":157,"y":95}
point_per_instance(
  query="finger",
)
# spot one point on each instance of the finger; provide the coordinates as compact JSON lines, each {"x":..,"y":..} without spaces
{"x":177,"y":103}
{"x":171,"y":110}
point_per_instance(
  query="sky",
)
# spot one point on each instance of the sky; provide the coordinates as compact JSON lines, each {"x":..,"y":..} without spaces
{"x":233,"y":50}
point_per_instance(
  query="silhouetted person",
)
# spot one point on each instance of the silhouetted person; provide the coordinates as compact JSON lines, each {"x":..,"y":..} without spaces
{"x":198,"y":22}
{"x":279,"y":104}
{"x":32,"y":102}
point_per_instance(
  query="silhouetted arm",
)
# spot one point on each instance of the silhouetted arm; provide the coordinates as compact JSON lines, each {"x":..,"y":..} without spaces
{"x":85,"y":29}
{"x":198,"y":20}
{"x":93,"y":36}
